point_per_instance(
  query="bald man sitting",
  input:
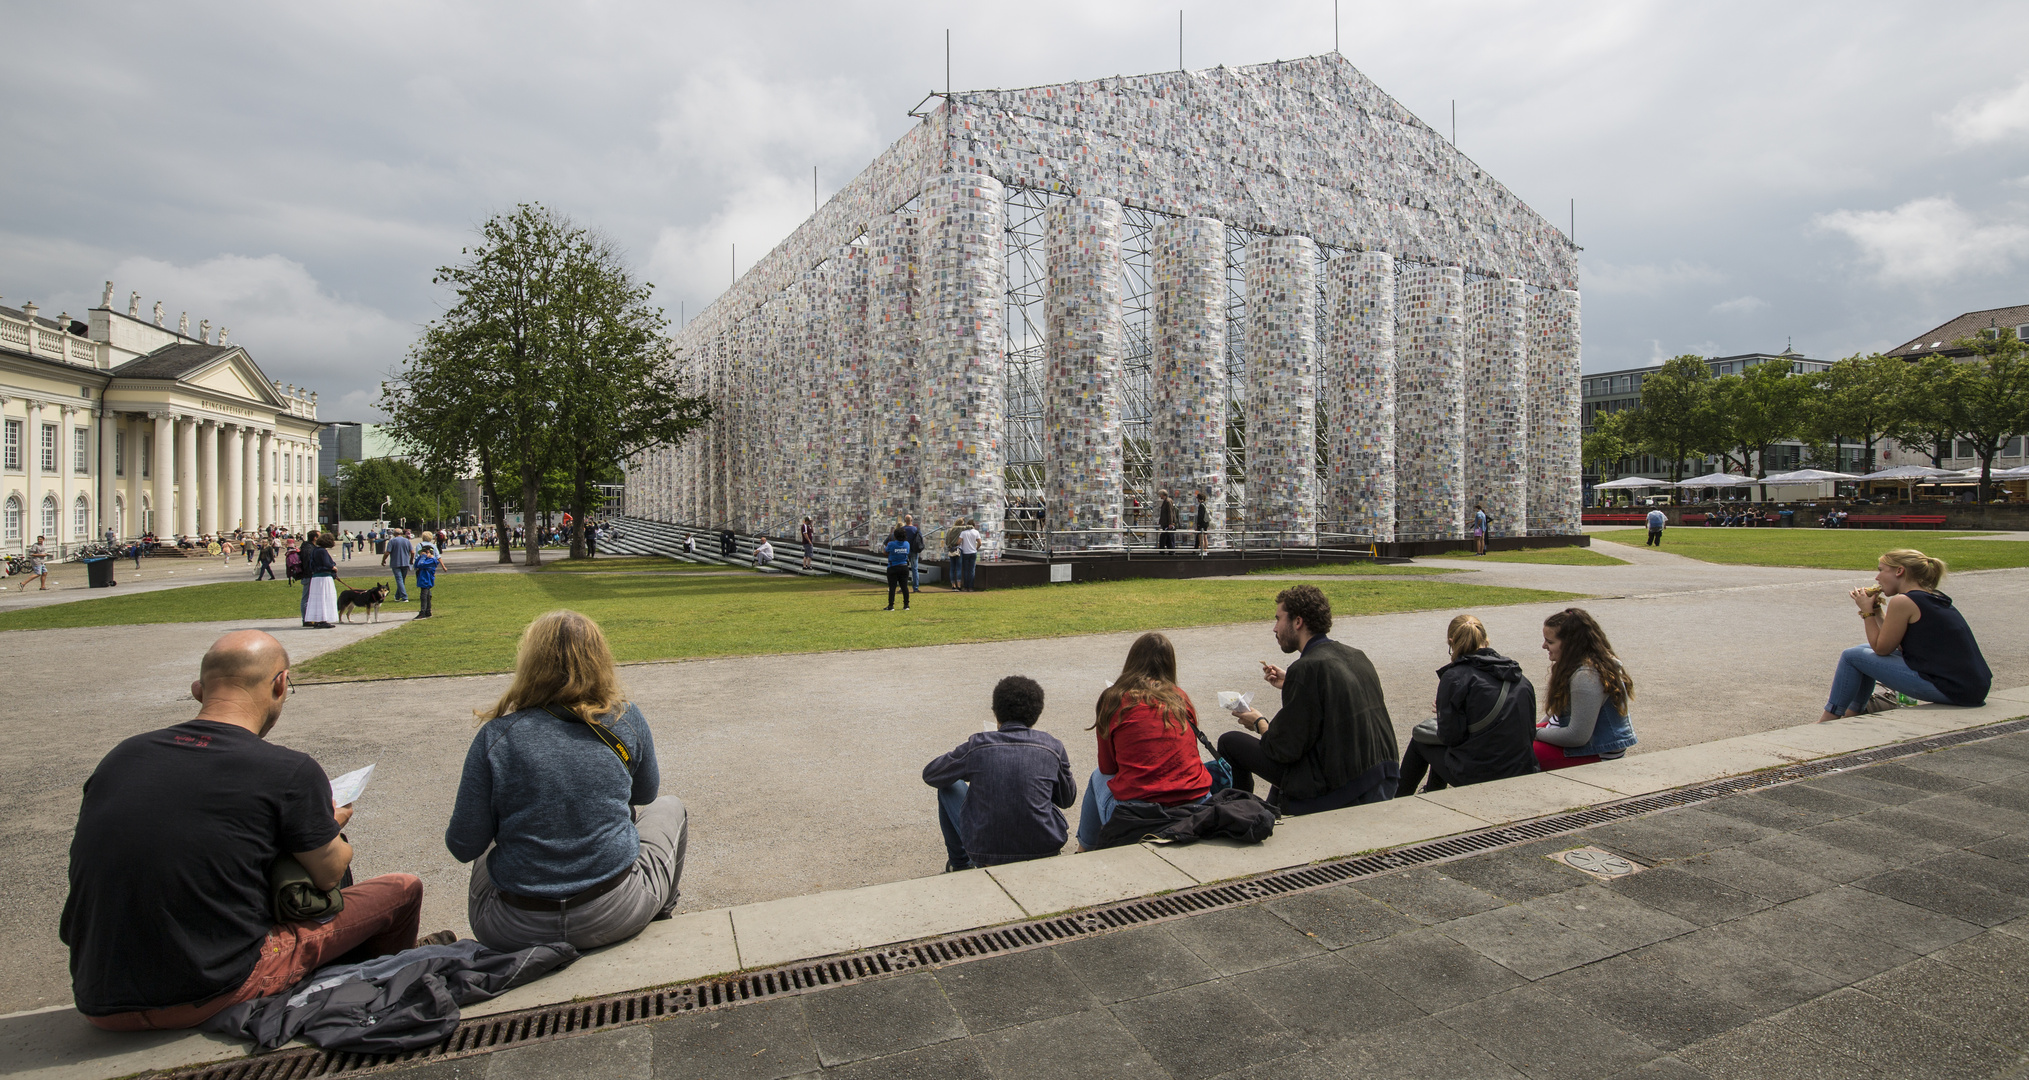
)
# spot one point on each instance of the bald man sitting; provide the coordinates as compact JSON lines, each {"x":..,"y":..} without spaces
{"x":169,"y":917}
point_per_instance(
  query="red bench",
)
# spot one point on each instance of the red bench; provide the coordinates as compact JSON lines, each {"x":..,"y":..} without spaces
{"x":1896,"y":521}
{"x":1616,"y":519}
{"x":1693,"y":519}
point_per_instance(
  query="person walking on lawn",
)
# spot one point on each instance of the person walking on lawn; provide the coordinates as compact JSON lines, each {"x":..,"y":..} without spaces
{"x":400,"y":556}
{"x":427,"y":565}
{"x":1656,"y":519}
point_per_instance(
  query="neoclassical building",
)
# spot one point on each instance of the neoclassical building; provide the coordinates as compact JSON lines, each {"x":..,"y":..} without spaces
{"x":123,"y":423}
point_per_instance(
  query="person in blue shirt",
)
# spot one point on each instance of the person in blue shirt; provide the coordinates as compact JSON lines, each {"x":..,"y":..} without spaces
{"x":426,"y":566}
{"x":898,"y":567}
{"x":1000,"y":792}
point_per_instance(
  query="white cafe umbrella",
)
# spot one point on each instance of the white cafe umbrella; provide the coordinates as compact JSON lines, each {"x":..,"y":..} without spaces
{"x":2019,"y":472}
{"x":1805,"y":476}
{"x":1909,"y":475}
{"x":1631,"y":482}
{"x":1717,"y":479}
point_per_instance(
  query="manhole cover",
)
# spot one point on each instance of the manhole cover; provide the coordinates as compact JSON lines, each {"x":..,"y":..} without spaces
{"x":1598,"y":863}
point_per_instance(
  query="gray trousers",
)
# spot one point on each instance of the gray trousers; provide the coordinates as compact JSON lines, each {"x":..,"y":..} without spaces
{"x":650,"y":892}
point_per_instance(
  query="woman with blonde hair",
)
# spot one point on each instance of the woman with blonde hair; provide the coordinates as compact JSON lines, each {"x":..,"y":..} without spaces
{"x":561,"y":784}
{"x":1148,"y":740}
{"x":1485,"y":722}
{"x":1917,"y":642}
{"x":1587,"y":709}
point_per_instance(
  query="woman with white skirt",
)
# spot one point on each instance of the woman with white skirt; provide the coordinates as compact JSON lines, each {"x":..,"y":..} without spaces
{"x":321,"y":611}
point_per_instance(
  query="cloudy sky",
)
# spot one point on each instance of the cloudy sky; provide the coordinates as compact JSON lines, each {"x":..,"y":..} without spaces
{"x":1844,"y":175}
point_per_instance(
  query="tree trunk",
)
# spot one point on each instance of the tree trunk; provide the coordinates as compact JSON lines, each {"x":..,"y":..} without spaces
{"x":578,"y":507}
{"x":492,"y":487}
{"x":531,"y":489}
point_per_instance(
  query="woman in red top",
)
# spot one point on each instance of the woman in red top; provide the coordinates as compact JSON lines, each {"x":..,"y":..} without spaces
{"x":1148,"y":749}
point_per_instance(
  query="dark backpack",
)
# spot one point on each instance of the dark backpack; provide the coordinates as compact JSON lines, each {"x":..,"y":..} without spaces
{"x":293,"y":565}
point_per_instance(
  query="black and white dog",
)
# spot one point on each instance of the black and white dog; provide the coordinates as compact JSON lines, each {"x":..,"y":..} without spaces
{"x":370,"y":599}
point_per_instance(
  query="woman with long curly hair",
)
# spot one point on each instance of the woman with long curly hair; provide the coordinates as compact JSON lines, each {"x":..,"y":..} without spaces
{"x":1148,"y":743}
{"x":1586,"y":713}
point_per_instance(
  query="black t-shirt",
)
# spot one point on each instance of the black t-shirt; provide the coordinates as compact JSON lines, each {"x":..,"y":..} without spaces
{"x":169,"y":865}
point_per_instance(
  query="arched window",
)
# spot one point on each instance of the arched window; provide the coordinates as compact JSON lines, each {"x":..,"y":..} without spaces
{"x":147,"y":522}
{"x":49,"y":518}
{"x":13,"y":520}
{"x":80,"y":519}
{"x":119,"y":522}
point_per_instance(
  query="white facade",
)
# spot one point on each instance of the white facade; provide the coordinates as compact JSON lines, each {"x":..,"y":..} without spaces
{"x":133,"y":427}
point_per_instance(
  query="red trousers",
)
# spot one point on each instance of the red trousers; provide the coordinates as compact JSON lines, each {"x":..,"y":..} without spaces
{"x":1556,"y":757}
{"x":380,"y":913}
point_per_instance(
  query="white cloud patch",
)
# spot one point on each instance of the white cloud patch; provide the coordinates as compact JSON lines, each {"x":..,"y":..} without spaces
{"x":1996,"y":116}
{"x":1739,"y":305}
{"x":1928,"y":241}
{"x":1645,"y":279}
{"x":293,"y":327}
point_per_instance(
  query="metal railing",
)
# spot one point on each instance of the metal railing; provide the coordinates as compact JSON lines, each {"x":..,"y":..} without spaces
{"x":1143,"y":541}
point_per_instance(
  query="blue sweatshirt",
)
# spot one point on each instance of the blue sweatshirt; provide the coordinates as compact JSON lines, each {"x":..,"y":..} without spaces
{"x":1019,"y":777}
{"x":554,"y":801}
{"x":898,"y":553}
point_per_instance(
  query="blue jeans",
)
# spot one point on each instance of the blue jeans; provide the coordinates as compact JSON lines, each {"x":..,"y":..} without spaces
{"x":1096,"y":809}
{"x":951,"y":811}
{"x":915,"y":573}
{"x":401,"y":582}
{"x":1859,"y":669}
{"x":966,"y":565}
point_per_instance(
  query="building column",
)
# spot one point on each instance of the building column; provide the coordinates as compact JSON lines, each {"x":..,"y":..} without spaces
{"x":847,"y":342}
{"x":894,"y":445}
{"x":1357,"y":395}
{"x":964,"y":353}
{"x":66,"y":473}
{"x":250,"y":479}
{"x":235,"y":484}
{"x":1556,"y":497}
{"x":1082,"y":373}
{"x":1429,"y":403}
{"x":162,"y":470}
{"x":207,"y":477}
{"x":186,"y":475}
{"x":108,"y":483}
{"x":31,"y":472}
{"x":1496,"y":404}
{"x":1282,"y":389}
{"x":269,"y":492}
{"x":1187,"y":426}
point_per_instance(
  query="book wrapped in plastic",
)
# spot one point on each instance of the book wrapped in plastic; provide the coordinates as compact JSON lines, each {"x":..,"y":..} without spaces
{"x":1082,"y":373}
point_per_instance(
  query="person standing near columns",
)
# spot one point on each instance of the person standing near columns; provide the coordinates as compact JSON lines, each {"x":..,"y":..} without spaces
{"x":163,"y":470}
{"x":207,"y":478}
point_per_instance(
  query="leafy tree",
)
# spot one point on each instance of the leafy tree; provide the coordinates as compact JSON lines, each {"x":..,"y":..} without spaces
{"x":1991,"y":398}
{"x":1761,"y":408}
{"x":407,"y":492}
{"x":1676,"y":419}
{"x":1929,"y":397}
{"x":1859,"y":398}
{"x":1610,"y":441}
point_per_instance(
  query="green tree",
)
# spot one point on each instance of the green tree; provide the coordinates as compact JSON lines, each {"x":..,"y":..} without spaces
{"x":1676,"y":419}
{"x":1761,"y":408}
{"x":1859,"y":399}
{"x":1929,"y":394}
{"x":1610,"y":441}
{"x":406,"y":491}
{"x":1991,"y":399}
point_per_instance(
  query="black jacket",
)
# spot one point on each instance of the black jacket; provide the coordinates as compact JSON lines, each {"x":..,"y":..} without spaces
{"x":1229,"y":813}
{"x":1467,"y":690}
{"x":1334,"y":724}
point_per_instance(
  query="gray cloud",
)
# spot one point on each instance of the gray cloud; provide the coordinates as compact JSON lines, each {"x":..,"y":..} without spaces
{"x":297,"y":171}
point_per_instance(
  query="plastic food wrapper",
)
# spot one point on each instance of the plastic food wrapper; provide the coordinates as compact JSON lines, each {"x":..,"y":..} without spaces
{"x":347,"y":789}
{"x":1235,"y":703}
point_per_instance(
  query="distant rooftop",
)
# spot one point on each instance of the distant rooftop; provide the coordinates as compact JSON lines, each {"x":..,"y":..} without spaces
{"x":1939,"y":340}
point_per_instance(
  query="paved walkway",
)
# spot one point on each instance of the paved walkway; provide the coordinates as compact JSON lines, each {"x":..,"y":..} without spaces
{"x":803,"y":772}
{"x":1872,"y":923}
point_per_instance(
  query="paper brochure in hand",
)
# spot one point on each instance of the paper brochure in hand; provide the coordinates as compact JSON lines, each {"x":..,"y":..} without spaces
{"x":346,"y":789}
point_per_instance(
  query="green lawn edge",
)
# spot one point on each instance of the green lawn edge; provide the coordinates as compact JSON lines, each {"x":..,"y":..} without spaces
{"x":1557,"y":556}
{"x":1829,"y":549}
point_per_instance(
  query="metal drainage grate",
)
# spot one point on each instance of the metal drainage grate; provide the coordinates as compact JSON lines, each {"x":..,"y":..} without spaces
{"x":539,"y":1025}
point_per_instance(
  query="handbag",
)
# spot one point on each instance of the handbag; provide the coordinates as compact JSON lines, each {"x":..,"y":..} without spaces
{"x":298,"y":899}
{"x":1426,"y":732}
{"x":1220,"y":769}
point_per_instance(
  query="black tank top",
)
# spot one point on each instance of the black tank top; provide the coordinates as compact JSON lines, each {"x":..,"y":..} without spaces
{"x":1940,"y":647}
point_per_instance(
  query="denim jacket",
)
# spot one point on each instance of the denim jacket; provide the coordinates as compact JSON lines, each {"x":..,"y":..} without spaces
{"x":1611,"y":734}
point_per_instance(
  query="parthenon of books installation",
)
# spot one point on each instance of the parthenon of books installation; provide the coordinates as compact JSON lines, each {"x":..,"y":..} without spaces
{"x":1269,"y":284}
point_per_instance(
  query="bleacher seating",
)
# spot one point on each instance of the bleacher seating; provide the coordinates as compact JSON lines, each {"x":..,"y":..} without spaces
{"x":641,"y":537}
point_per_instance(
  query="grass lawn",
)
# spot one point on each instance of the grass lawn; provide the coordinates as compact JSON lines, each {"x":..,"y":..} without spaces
{"x":654,"y":617}
{"x":1356,"y":569}
{"x":625,"y":563}
{"x":1829,"y":549}
{"x":1559,"y":556}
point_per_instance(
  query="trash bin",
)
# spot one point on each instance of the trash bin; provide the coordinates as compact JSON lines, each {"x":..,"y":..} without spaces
{"x":99,"y":573}
{"x":1789,"y":518}
{"x":380,"y":547}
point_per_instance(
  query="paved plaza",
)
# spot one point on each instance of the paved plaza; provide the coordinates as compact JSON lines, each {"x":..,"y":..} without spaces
{"x":802,"y":772}
{"x":1870,"y":923}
